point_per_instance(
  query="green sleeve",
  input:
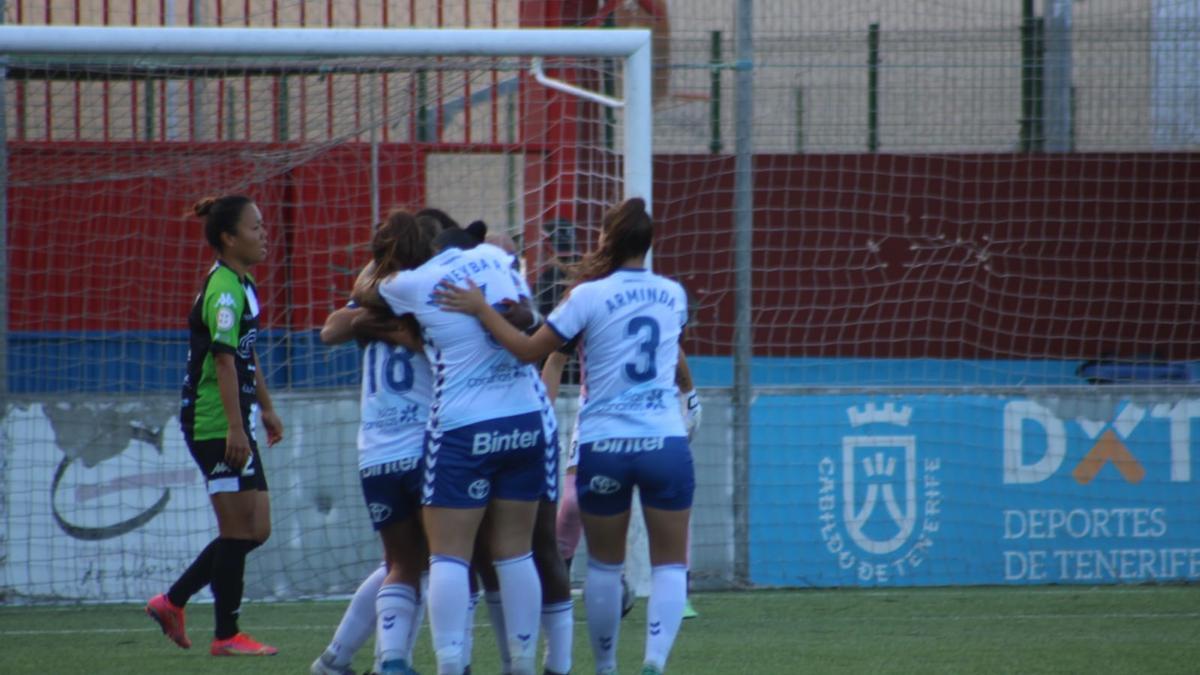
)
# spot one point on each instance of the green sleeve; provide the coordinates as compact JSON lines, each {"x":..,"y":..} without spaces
{"x":224,"y":300}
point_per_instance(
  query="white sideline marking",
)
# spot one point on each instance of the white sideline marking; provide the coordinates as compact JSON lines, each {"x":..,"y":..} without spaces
{"x":824,"y":619}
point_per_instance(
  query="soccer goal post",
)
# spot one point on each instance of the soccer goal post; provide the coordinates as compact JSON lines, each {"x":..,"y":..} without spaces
{"x":111,"y":133}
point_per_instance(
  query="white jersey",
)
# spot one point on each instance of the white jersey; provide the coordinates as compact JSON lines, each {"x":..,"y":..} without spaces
{"x":396,"y":392}
{"x":630,"y":323}
{"x":475,"y":379}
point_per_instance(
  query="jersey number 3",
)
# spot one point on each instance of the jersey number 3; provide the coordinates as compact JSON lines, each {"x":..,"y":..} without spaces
{"x":396,"y":365}
{"x":643,"y":367}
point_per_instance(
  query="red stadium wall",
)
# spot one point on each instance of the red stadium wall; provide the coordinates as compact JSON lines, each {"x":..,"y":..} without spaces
{"x":942,"y":256}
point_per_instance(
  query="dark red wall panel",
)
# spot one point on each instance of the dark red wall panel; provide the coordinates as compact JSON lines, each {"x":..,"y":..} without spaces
{"x":946,"y":256}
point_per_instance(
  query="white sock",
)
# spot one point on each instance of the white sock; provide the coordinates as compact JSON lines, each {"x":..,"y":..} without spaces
{"x":397,"y":608}
{"x":602,"y":598}
{"x":558,"y":622}
{"x":664,"y":612}
{"x":469,"y":633}
{"x":496,"y":614}
{"x":419,"y":617}
{"x":357,"y":623}
{"x":448,"y":597}
{"x":521,"y":591}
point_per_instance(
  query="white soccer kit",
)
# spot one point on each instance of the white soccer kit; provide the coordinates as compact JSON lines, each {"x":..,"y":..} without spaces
{"x":396,"y":392}
{"x":631,"y":322}
{"x":475,"y":378}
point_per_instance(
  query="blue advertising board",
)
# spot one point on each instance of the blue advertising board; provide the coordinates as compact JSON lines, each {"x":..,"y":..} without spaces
{"x":935,"y":490}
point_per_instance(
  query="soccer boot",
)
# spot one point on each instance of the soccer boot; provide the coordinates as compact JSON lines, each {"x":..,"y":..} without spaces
{"x":241,"y":645}
{"x":170,"y":619}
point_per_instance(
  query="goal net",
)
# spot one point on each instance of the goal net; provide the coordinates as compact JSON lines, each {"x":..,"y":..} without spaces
{"x":974,"y":329}
{"x":106,"y":154}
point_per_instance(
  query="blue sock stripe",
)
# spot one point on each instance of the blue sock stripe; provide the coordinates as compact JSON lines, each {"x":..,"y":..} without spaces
{"x":556,"y":607}
{"x":511,"y":561}
{"x":670,"y":566}
{"x":397,"y":591}
{"x":606,"y":567}
{"x":448,"y":559}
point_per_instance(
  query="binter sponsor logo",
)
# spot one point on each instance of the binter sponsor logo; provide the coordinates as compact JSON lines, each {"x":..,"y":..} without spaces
{"x":628,"y":445}
{"x":487,"y":443}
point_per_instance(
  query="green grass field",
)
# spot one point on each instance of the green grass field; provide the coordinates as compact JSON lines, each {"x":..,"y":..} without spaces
{"x":975,"y":630}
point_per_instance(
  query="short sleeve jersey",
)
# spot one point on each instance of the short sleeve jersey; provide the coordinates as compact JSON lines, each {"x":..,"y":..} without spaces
{"x":224,"y":319}
{"x":629,"y":324}
{"x":475,"y":379}
{"x":396,"y":391}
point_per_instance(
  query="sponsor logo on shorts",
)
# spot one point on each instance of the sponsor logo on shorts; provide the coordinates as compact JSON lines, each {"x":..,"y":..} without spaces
{"x":393,"y":467}
{"x":486,"y":443}
{"x":629,"y":445}
{"x":480,"y":489}
{"x":379,"y":512}
{"x":221,"y":467}
{"x":603,"y":485}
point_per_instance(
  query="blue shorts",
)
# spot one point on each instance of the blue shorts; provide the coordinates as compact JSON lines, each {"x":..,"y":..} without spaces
{"x":392,"y":491}
{"x":661,"y":468}
{"x":504,"y":458}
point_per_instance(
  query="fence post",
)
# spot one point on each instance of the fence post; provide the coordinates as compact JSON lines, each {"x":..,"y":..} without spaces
{"x":873,"y":88}
{"x":743,"y":208}
{"x":714,"y":94}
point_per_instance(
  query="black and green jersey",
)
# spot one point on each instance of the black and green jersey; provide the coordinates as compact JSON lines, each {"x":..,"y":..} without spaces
{"x":224,"y":318}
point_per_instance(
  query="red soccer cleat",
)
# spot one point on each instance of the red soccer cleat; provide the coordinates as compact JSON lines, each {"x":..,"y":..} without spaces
{"x":241,"y":645}
{"x":169,"y":618}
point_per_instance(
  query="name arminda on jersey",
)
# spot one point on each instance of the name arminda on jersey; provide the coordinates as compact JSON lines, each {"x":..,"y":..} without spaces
{"x":643,"y":294}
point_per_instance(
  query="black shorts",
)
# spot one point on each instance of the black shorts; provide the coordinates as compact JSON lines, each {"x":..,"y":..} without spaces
{"x":210,"y":457}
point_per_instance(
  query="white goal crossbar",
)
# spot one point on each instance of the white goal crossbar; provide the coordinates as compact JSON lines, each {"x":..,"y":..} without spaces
{"x":630,"y":45}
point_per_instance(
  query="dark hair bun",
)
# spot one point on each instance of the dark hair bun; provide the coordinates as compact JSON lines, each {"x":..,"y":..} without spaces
{"x":204,"y":206}
{"x":478,"y":230}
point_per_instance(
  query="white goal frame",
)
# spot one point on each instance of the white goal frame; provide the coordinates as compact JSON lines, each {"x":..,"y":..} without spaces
{"x":632,"y":46}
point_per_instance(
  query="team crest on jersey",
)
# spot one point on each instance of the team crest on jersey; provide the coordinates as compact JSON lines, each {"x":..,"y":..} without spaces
{"x":224,"y":318}
{"x":480,"y":489}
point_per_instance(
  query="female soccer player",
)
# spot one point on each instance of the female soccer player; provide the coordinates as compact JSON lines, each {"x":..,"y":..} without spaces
{"x":630,"y":430}
{"x":396,"y":392}
{"x":486,"y":447}
{"x":221,"y":388}
{"x":558,"y":618}
{"x":568,"y":526}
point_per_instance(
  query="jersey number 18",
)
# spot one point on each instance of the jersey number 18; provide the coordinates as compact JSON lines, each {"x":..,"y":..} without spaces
{"x":395,"y":364}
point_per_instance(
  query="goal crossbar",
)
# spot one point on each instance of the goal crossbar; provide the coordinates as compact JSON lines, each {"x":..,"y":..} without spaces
{"x":632,"y":46}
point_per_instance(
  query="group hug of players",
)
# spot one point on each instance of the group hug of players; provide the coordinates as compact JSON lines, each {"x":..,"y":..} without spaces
{"x":458,"y":441}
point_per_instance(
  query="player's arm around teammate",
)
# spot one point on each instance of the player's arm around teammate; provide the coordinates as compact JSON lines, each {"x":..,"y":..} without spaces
{"x":629,"y":435}
{"x":395,"y":398}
